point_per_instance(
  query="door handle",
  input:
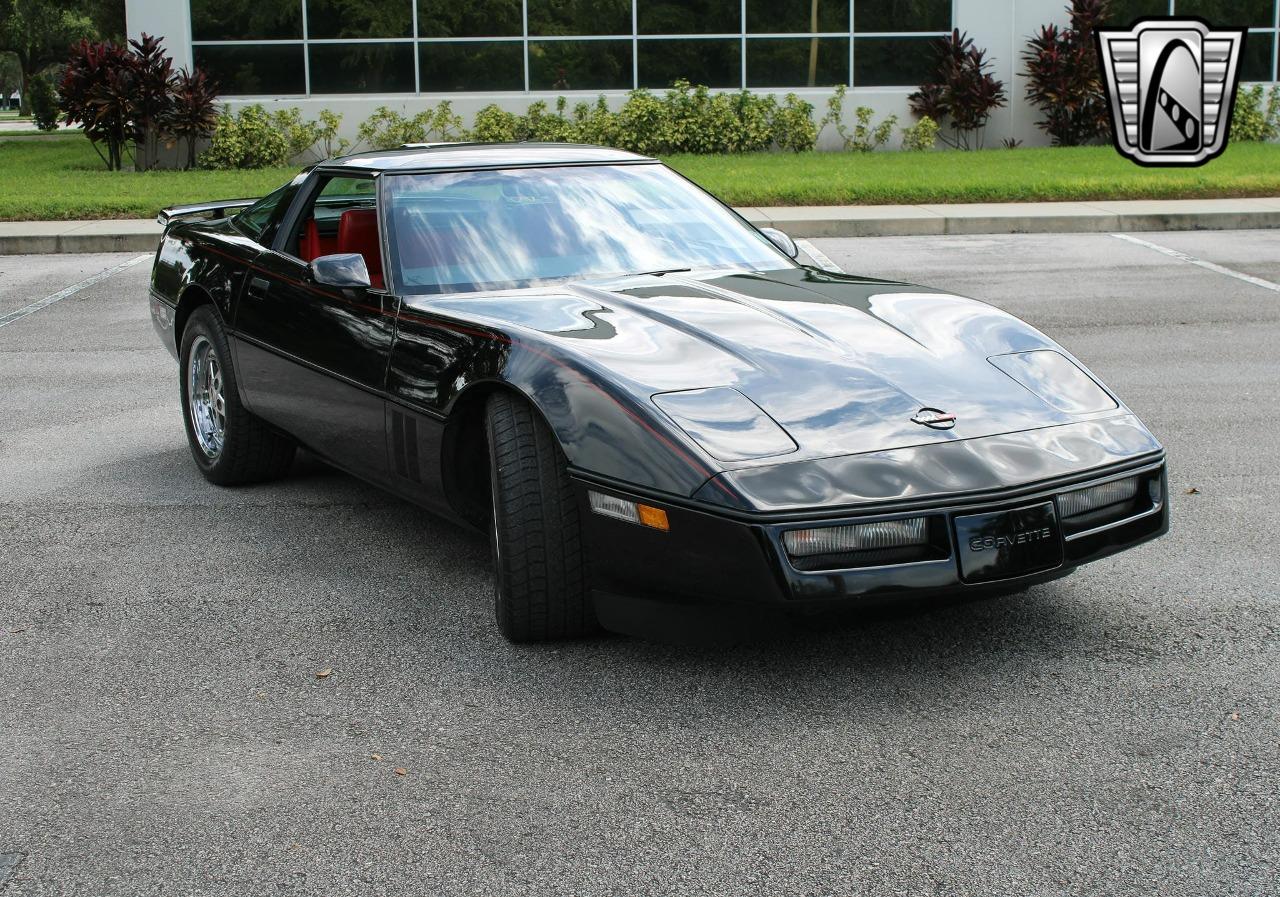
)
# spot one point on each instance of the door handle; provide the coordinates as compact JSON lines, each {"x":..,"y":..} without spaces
{"x":259,"y":283}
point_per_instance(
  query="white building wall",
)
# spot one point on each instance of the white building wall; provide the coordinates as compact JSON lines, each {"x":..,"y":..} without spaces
{"x":169,"y":19}
{"x":1000,"y":26}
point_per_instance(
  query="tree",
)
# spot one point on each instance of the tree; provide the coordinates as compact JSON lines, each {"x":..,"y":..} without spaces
{"x":39,"y":33}
{"x":10,"y":76}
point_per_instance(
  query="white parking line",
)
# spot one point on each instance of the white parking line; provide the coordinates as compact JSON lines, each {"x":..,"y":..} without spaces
{"x":1210,"y":266}
{"x":818,"y":256}
{"x":69,"y":291}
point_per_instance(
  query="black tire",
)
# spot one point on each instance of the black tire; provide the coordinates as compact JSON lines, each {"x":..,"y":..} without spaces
{"x":249,"y":451}
{"x":540,"y":580}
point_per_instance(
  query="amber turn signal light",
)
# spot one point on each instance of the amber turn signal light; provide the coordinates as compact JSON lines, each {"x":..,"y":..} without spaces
{"x":654,"y":517}
{"x":630,"y":511}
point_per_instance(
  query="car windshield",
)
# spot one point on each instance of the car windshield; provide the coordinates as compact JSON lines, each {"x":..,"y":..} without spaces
{"x":463,"y":231}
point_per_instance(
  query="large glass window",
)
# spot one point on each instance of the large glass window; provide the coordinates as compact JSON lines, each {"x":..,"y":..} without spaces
{"x":797,"y":62}
{"x":359,"y":18}
{"x":292,"y":47}
{"x":579,"y":18}
{"x":1233,"y":13}
{"x":715,"y":62}
{"x":361,"y":68}
{"x":688,"y":16}
{"x":246,"y":19}
{"x":254,"y":69}
{"x":1123,"y":12}
{"x":870,"y":16}
{"x":580,"y":65}
{"x":489,"y":18}
{"x":785,"y":16}
{"x":471,"y":65}
{"x":472,"y":230}
{"x":893,"y":61}
{"x":1257,"y":57}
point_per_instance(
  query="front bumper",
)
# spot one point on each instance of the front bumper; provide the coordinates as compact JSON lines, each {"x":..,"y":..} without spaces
{"x":727,"y":558}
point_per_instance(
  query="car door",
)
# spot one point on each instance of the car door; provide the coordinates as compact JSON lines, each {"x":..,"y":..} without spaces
{"x":313,"y":359}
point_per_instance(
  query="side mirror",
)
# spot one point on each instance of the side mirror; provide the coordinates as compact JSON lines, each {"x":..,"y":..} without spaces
{"x":346,"y":270}
{"x":782,"y":241}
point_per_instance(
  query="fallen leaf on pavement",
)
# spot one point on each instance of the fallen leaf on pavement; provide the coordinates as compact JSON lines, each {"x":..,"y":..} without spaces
{"x":375,"y":756}
{"x":401,"y":771}
{"x":324,"y":674}
{"x":1193,"y":491}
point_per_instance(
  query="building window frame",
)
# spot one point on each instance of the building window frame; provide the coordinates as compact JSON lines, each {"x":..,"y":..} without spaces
{"x":635,"y":38}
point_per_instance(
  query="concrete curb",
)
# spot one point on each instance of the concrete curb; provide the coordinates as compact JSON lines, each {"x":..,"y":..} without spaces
{"x":1020,"y":218}
{"x":141,"y":235}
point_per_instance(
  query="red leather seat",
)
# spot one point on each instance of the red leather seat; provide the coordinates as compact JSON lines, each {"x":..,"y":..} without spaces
{"x":311,"y":246}
{"x":358,"y":232}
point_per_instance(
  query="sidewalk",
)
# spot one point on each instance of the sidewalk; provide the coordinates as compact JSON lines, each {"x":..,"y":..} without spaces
{"x":141,"y":235}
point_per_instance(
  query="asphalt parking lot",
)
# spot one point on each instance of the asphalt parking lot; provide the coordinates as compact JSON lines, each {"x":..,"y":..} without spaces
{"x":163,"y":729}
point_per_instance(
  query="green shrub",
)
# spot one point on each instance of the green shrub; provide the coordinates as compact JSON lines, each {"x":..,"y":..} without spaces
{"x":249,"y":138}
{"x":494,"y":124}
{"x":793,"y":127}
{"x":754,"y":116}
{"x":595,"y":123}
{"x":539,"y":124}
{"x":387,"y":129}
{"x":641,"y":124}
{"x":921,"y":136}
{"x":299,"y":135}
{"x":864,"y":137}
{"x":1250,"y":121}
{"x":44,"y":103}
{"x":328,"y":141}
{"x":686,"y":119}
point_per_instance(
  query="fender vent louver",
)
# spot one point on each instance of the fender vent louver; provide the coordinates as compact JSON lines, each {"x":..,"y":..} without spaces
{"x":404,"y":446}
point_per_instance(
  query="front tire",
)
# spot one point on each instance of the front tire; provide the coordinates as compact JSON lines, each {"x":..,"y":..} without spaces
{"x":541,"y":589}
{"x":229,"y":445}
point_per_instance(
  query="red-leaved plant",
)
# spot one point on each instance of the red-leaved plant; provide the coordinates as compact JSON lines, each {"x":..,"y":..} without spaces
{"x":963,"y":93}
{"x":98,"y":92}
{"x":1063,"y":78}
{"x":153,"y":73}
{"x":129,"y":96}
{"x":194,"y":110}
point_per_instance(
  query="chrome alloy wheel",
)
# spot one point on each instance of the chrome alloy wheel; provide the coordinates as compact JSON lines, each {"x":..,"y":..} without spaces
{"x":205,"y":399}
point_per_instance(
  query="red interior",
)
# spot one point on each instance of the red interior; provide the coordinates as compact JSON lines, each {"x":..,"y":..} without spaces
{"x":312,"y":245}
{"x":357,"y":232}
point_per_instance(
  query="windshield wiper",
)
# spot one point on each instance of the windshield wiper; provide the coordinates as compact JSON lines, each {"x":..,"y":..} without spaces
{"x":660,"y":272}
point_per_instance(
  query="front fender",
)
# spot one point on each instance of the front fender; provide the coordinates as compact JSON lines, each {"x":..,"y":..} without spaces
{"x":607,"y":427}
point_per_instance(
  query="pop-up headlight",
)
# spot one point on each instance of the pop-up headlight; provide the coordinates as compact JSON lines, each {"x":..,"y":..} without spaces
{"x":1053,"y":377}
{"x":726,"y":423}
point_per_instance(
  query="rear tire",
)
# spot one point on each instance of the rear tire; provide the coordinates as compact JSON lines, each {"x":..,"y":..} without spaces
{"x":541,"y":589}
{"x":229,"y":445}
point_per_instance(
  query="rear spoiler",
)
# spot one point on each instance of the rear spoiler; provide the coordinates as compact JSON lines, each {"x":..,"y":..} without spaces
{"x":218,"y":209}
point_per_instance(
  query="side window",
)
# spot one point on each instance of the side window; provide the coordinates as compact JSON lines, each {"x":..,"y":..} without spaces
{"x":340,"y":217}
{"x":255,"y":220}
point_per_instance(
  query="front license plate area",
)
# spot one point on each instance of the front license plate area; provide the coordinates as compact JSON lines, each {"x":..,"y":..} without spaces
{"x":1004,"y":544}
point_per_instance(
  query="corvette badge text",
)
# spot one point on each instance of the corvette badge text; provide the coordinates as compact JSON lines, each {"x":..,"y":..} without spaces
{"x":989,"y":543}
{"x":1171,"y":85}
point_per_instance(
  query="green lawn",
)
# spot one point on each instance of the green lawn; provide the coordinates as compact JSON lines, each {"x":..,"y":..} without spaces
{"x":63,"y":178}
{"x":999,"y":175}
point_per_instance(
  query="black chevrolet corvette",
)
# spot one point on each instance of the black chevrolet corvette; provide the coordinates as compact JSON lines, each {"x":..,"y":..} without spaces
{"x":643,"y":398}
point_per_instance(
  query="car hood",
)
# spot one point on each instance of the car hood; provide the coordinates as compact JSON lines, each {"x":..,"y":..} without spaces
{"x":841,"y":363}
